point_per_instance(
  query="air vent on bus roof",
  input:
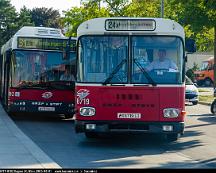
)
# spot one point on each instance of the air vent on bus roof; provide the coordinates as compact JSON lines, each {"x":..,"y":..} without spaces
{"x":53,"y":32}
{"x":42,"y":31}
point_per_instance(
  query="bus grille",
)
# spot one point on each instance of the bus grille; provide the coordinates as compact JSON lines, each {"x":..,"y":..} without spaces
{"x":128,"y":127}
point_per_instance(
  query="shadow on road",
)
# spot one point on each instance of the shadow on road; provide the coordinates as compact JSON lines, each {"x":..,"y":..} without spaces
{"x":210,"y":118}
{"x":57,"y":138}
{"x":39,"y":117}
{"x":118,"y":150}
{"x":204,"y":164}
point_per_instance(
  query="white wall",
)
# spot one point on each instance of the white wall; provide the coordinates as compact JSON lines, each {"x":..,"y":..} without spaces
{"x":196,"y":58}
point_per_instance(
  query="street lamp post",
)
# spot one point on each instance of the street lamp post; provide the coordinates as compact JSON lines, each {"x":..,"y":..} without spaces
{"x":162,"y":8}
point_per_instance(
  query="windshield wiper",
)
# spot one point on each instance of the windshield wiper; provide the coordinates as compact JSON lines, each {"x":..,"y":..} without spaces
{"x":61,"y":84}
{"x":118,"y":67}
{"x":33,"y":86}
{"x":148,"y":77}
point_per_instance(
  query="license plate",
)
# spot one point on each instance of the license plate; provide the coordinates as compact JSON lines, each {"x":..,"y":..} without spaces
{"x":129,"y":115}
{"x":46,"y":108}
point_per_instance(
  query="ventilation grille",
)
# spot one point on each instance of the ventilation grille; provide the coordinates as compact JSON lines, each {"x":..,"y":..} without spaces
{"x":49,"y":32}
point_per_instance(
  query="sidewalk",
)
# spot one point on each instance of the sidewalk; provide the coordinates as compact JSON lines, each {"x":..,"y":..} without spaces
{"x":19,"y":151}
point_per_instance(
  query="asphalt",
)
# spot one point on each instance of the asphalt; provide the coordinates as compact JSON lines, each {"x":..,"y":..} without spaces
{"x":17,"y":151}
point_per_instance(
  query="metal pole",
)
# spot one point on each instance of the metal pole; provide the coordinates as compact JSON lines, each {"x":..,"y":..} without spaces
{"x":162,"y":8}
{"x":215,"y":58}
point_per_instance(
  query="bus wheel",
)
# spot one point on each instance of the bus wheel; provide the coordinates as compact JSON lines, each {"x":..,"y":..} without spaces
{"x":213,"y":107}
{"x":199,"y":83}
{"x":91,"y":134}
{"x":172,"y":137}
{"x":195,"y":103}
{"x":68,"y":116}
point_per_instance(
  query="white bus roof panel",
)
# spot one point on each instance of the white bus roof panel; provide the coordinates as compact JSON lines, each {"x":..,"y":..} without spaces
{"x":40,"y":31}
{"x":160,"y":26}
{"x":37,"y":32}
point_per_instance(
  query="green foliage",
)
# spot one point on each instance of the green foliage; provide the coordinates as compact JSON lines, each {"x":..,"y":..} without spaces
{"x":143,"y":8}
{"x":76,"y":16}
{"x":8,"y":23}
{"x":205,"y":39}
{"x":46,"y":17}
{"x":11,"y":21}
{"x":197,"y":17}
{"x":24,"y":18}
{"x":190,"y":72}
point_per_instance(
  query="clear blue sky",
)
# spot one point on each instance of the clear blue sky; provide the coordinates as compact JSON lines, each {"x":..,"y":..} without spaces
{"x":55,"y":4}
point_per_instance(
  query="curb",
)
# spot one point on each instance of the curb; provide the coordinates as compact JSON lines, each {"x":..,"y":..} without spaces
{"x":204,"y":103}
{"x":44,"y":160}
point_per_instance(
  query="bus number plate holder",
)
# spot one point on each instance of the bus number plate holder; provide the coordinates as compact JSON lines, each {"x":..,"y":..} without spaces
{"x":46,"y":109}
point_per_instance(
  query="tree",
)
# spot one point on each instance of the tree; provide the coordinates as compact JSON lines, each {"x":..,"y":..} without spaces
{"x":190,"y":72}
{"x":74,"y":17}
{"x":24,"y":18}
{"x":46,"y":17}
{"x":143,"y":8}
{"x":197,"y":17}
{"x":8,"y":18}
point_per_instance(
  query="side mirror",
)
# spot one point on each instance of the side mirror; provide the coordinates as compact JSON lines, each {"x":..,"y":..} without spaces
{"x":190,"y":45}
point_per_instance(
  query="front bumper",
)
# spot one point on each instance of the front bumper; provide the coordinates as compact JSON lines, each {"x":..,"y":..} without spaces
{"x":133,"y":127}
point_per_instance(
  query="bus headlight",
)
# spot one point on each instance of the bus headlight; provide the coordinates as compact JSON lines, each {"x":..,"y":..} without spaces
{"x":171,"y":112}
{"x":87,"y":111}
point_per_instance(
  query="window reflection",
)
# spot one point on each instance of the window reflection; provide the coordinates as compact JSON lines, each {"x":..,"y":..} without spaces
{"x":101,"y":57}
{"x":30,"y":67}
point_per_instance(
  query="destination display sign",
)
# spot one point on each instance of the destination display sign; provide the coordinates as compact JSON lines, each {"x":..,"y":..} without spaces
{"x":130,"y":25}
{"x":44,"y":43}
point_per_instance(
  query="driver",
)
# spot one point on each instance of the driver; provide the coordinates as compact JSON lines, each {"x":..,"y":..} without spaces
{"x":162,"y":62}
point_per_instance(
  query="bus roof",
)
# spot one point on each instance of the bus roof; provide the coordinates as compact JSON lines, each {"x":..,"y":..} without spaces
{"x":158,"y":26}
{"x":33,"y":32}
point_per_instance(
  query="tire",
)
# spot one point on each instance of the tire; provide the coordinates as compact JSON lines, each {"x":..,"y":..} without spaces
{"x":199,"y":83}
{"x":195,"y":103}
{"x":172,"y":137}
{"x":68,"y":116}
{"x":213,"y":107}
{"x":208,"y":82}
{"x":91,"y":135}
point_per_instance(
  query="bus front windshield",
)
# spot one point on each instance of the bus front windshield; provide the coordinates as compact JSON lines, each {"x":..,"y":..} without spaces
{"x":148,"y":59}
{"x":103,"y":59}
{"x":32,"y":68}
{"x":159,"y":58}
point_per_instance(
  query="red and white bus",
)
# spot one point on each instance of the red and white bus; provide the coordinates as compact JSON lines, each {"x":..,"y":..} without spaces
{"x":117,"y":88}
{"x":32,"y":63}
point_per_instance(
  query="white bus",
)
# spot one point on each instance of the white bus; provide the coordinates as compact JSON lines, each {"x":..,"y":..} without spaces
{"x":130,"y":76}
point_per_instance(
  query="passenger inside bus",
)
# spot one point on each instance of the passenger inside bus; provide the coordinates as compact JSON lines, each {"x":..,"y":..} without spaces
{"x":53,"y":75}
{"x":67,"y":76}
{"x":117,"y":42}
{"x":162,"y":63}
